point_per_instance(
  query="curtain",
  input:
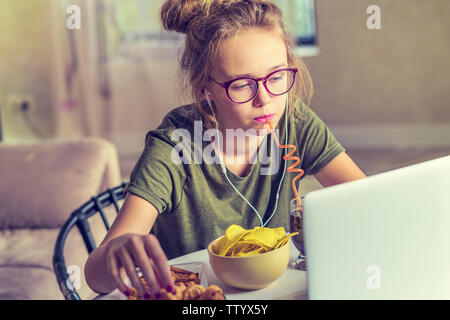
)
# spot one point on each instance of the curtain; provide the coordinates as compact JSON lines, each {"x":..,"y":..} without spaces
{"x":81,"y":95}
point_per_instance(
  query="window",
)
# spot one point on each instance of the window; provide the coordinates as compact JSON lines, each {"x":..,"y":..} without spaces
{"x":129,"y":21}
{"x":300,"y":20}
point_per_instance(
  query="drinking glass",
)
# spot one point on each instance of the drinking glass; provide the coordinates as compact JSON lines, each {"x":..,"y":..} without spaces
{"x":296,"y":225}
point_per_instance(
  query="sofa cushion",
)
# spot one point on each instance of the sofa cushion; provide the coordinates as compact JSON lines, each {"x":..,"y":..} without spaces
{"x":28,"y":283}
{"x":42,"y":183}
{"x":27,"y":247}
{"x":32,"y":250}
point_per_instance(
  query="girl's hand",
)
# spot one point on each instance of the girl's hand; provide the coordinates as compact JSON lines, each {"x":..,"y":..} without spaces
{"x":129,"y":251}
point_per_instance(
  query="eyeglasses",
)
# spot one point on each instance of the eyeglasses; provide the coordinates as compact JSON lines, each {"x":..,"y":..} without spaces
{"x":244,"y":89}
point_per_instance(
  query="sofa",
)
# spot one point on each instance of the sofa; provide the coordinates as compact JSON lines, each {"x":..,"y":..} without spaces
{"x":41,"y":184}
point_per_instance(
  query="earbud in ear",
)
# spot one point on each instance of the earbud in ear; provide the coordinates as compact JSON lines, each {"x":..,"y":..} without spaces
{"x":207,"y":95}
{"x":206,"y":92}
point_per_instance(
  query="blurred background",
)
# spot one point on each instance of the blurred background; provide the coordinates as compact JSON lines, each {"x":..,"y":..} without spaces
{"x":385,"y":93}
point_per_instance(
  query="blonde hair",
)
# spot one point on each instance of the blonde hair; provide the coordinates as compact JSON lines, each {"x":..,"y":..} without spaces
{"x":207,"y":23}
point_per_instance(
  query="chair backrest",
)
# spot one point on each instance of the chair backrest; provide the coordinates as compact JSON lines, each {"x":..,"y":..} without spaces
{"x":80,"y":218}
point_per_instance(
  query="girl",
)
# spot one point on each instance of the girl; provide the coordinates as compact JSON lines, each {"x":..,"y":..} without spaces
{"x":187,"y":189}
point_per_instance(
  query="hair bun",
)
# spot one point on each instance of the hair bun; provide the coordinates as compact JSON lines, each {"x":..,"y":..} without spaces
{"x":176,"y":14}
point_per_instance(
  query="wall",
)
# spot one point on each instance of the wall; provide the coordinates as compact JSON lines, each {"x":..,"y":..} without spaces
{"x":389,"y":86}
{"x":25,"y":61}
{"x":142,"y":93}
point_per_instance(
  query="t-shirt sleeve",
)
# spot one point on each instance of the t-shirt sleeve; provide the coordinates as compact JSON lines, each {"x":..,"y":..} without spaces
{"x":320,"y":146}
{"x":157,"y":178}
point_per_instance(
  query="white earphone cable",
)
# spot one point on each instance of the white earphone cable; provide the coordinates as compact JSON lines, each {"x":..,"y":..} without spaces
{"x":225,"y":170}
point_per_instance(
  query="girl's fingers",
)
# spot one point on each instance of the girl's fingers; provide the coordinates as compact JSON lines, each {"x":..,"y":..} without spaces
{"x":144,"y":252}
{"x":155,"y":270}
{"x":139,"y":255}
{"x":128,"y":264}
{"x":160,"y":261}
{"x":114,"y":270}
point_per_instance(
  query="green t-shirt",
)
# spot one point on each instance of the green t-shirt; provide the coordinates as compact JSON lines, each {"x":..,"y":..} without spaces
{"x":196,"y":203}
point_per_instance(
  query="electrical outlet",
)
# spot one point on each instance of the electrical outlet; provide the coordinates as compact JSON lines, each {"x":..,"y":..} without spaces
{"x":14,"y":126}
{"x":19,"y":103}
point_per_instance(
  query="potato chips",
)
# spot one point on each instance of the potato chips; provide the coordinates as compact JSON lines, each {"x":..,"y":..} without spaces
{"x":239,"y":242}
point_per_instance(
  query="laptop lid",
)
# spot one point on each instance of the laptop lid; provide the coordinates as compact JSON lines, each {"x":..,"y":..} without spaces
{"x":383,"y":237}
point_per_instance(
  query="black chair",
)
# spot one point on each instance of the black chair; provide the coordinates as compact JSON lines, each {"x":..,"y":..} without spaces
{"x":80,"y":218}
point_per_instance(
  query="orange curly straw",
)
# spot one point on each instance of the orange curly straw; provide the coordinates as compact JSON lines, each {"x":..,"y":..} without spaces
{"x":289,"y":156}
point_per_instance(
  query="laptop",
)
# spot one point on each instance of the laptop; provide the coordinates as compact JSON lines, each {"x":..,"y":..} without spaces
{"x":383,"y":237}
